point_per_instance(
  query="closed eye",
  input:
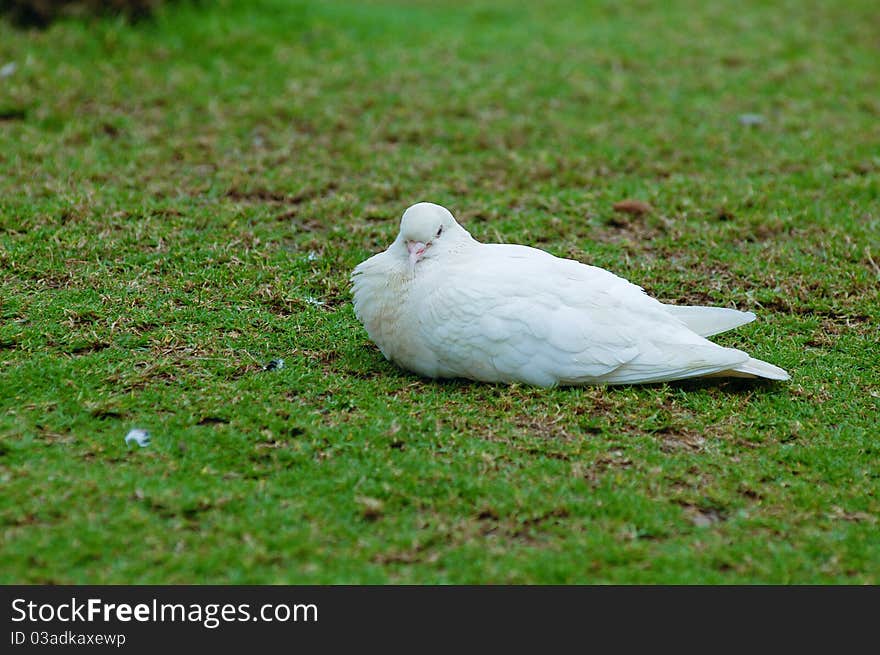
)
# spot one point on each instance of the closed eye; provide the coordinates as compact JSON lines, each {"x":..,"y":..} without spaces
{"x":439,"y":232}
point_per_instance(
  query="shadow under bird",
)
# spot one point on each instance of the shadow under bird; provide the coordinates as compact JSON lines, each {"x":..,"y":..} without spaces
{"x":441,"y":304}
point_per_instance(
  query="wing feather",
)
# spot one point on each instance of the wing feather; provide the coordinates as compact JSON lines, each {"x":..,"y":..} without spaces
{"x":489,"y":325}
{"x":514,"y":313}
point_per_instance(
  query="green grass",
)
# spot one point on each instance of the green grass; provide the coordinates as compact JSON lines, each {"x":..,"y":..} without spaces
{"x":163,"y":185}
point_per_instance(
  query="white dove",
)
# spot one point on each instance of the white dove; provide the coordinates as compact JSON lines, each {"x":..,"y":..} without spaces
{"x":441,"y":304}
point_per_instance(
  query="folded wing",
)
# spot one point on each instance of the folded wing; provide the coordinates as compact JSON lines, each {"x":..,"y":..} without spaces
{"x":514,"y":313}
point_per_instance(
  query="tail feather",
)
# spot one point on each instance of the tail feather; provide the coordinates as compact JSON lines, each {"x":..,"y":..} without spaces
{"x":754,"y":368}
{"x":707,"y":321}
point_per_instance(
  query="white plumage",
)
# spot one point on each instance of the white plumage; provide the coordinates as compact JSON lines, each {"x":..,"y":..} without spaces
{"x":443,"y":305}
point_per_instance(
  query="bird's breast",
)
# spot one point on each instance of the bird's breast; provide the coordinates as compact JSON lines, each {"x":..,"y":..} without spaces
{"x":384,"y":303}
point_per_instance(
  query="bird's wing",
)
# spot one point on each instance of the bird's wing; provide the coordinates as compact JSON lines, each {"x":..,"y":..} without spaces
{"x":518,"y":313}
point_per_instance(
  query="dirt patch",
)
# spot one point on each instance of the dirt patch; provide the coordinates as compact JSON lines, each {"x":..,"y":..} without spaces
{"x":703,"y":516}
{"x":87,"y":348}
{"x":260,"y":195}
{"x":544,"y":426}
{"x":594,"y":471}
{"x":486,"y":526}
{"x":768,"y":230}
{"x":633,"y":207}
{"x":677,"y":440}
{"x":636,"y":231}
{"x":213,"y":420}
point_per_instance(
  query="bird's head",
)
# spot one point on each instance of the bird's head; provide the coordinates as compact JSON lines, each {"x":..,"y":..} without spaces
{"x":427,"y":230}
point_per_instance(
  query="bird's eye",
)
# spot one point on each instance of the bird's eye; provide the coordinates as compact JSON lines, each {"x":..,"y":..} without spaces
{"x":439,"y":232}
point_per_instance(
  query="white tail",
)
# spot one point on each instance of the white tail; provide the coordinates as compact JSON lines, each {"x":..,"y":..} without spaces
{"x":707,"y":321}
{"x":761,"y":369}
{"x":753,"y":368}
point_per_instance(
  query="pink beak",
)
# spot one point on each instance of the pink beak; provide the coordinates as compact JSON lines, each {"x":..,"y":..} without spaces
{"x":416,"y":250}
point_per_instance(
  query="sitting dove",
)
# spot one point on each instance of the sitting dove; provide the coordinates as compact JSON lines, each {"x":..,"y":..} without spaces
{"x":441,"y":304}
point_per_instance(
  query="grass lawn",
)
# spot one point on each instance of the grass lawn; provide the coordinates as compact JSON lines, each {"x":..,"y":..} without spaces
{"x":183,"y":200}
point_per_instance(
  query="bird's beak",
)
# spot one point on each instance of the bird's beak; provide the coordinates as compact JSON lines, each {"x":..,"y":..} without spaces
{"x":416,"y":250}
